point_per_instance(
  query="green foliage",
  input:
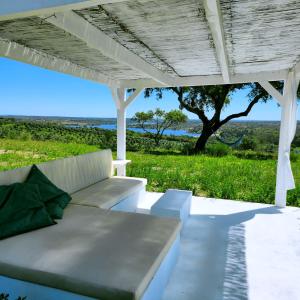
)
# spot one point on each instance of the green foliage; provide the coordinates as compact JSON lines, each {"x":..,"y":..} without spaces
{"x":255,"y":155}
{"x":226,"y":177}
{"x":201,"y":100}
{"x":6,"y":297}
{"x":249,"y":143}
{"x":42,"y":131}
{"x":16,"y":153}
{"x":218,"y":150}
{"x":159,"y":120}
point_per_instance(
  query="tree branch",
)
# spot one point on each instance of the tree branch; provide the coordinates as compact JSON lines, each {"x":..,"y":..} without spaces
{"x":142,"y":124}
{"x":199,"y":112}
{"x":243,"y":113}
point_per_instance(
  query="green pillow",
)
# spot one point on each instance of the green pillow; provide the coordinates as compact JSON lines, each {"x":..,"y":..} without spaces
{"x":54,"y":198}
{"x":21,"y":209}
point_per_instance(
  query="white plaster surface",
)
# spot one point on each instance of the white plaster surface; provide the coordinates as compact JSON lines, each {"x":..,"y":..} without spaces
{"x":236,"y":250}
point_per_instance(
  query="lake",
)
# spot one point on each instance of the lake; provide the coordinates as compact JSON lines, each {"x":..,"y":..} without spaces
{"x":175,"y":132}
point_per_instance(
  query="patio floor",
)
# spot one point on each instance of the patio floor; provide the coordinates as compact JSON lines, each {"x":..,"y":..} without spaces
{"x":236,"y":250}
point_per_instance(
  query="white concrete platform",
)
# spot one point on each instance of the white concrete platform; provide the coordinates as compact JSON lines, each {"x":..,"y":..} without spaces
{"x":173,"y":204}
{"x":236,"y":250}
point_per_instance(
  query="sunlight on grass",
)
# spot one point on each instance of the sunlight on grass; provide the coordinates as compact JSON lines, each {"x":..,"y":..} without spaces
{"x":225,"y":177}
{"x":14,"y":153}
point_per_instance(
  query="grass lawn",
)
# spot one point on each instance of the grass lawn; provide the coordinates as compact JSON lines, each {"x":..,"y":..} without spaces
{"x":15,"y":153}
{"x":226,"y":177}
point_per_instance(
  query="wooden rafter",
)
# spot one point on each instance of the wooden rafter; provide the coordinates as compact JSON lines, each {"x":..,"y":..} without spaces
{"x":208,"y":80}
{"x":297,"y":70}
{"x":14,"y":9}
{"x":96,"y":39}
{"x":272,"y":91}
{"x":30,"y":56}
{"x":214,"y":17}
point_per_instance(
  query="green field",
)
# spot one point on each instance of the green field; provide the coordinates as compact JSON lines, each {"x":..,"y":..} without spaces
{"x":226,"y":177}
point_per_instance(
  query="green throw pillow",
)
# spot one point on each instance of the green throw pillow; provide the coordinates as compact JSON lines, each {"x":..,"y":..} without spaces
{"x":21,"y":209}
{"x":54,"y":198}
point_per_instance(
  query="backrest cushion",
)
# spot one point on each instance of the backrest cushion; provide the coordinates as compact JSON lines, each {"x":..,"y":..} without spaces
{"x":69,"y":174}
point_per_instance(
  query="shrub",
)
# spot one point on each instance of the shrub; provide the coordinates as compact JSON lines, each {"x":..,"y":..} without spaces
{"x":218,"y":150}
{"x":188,"y":148}
{"x":248,"y":144}
{"x":294,"y":156}
{"x":255,"y":155}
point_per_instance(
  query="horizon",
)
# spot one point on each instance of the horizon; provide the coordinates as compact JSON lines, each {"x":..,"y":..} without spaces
{"x":93,"y":118}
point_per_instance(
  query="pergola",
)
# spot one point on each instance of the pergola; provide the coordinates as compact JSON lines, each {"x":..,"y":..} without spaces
{"x":154,"y":43}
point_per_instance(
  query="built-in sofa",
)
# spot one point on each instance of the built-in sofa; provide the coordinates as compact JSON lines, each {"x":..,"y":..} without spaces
{"x":101,"y":249}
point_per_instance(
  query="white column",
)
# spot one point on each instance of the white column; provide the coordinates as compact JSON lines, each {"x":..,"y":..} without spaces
{"x":121,"y":139}
{"x":285,"y":180}
{"x":119,"y":96}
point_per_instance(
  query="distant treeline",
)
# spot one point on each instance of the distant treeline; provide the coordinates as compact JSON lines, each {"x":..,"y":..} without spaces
{"x":260,"y":137}
{"x":49,"y":131}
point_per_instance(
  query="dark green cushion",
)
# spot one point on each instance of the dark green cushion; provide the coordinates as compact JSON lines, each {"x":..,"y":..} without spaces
{"x":21,"y":209}
{"x":54,"y":198}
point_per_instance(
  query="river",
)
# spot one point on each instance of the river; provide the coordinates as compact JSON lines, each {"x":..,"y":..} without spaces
{"x":175,"y":132}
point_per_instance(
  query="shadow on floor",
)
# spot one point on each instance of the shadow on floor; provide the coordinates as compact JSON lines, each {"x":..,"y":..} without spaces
{"x":212,"y":263}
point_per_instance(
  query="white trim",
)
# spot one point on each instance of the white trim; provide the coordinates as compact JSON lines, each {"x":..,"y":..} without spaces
{"x":118,"y":95}
{"x":297,"y":70}
{"x":96,"y":39}
{"x":272,"y":91}
{"x":14,"y":9}
{"x":133,"y":96}
{"x":118,"y":162}
{"x":207,"y":80}
{"x":30,"y":56}
{"x":215,"y":21}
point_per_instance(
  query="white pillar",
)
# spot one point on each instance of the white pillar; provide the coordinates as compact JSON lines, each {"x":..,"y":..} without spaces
{"x":281,"y":192}
{"x":119,"y":96}
{"x":285,"y":179}
{"x":121,"y":139}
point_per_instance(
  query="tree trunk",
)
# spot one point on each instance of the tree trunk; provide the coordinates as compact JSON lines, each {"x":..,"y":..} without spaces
{"x":206,"y":133}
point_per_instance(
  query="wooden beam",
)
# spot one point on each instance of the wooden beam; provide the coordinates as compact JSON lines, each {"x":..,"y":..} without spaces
{"x":15,"y":9}
{"x":133,"y":96}
{"x":272,"y":91}
{"x":119,"y":95}
{"x":215,"y":21}
{"x":20,"y":53}
{"x":207,"y":80}
{"x":297,"y":70}
{"x":96,"y":39}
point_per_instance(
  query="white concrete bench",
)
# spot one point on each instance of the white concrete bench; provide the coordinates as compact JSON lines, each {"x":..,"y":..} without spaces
{"x":173,"y":204}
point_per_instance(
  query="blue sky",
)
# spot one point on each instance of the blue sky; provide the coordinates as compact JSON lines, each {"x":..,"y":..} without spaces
{"x":29,"y":90}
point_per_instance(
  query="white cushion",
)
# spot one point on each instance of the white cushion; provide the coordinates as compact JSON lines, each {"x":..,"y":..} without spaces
{"x":92,"y":252}
{"x":109,"y":192}
{"x":70,"y":174}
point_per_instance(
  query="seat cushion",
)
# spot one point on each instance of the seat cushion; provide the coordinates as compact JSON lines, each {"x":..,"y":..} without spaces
{"x":93,"y":252}
{"x":109,"y":192}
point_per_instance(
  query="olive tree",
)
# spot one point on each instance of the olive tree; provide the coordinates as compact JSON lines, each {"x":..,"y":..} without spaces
{"x":201,"y":100}
{"x":158,"y":120}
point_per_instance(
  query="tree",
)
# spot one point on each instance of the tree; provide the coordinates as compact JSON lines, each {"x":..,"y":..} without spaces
{"x":203,"y":99}
{"x":161,"y":121}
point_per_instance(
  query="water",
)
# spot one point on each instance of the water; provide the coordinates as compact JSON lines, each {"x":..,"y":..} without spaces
{"x":175,"y":132}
